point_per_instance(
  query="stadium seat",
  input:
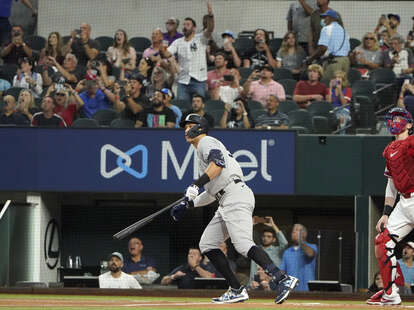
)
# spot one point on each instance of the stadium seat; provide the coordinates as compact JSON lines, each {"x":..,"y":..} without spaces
{"x":320,"y":124}
{"x":281,"y":74}
{"x":243,"y":44}
{"x":274,"y":45}
{"x":104,"y":42}
{"x":289,"y":85}
{"x":36,"y":42}
{"x":14,"y":91}
{"x":85,"y":123}
{"x":325,"y":81}
{"x":321,"y":108}
{"x":216,"y":114}
{"x":254,"y":105}
{"x":366,"y":117}
{"x":301,"y":118}
{"x":122,"y":123}
{"x":382,"y":76}
{"x":255,"y":113}
{"x":184,"y":105}
{"x":363,"y":88}
{"x":353,"y":42}
{"x":65,"y":39}
{"x":245,"y":73}
{"x":140,"y":44}
{"x":353,"y":75}
{"x":8,"y":71}
{"x":287,"y":106}
{"x":211,"y":105}
{"x":105,"y":117}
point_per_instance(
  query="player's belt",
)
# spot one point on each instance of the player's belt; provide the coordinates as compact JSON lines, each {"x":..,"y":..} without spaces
{"x":221,"y":192}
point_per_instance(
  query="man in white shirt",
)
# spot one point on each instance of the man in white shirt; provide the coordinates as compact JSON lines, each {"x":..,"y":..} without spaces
{"x":190,"y":51}
{"x":115,"y":278}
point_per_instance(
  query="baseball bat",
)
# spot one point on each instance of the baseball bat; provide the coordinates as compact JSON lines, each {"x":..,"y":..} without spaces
{"x":142,"y":222}
{"x":6,"y":205}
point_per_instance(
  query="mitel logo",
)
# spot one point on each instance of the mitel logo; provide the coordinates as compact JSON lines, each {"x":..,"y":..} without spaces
{"x":124,"y":161}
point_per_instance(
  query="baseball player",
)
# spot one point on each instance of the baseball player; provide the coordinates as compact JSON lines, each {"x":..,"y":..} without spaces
{"x":223,"y":181}
{"x":397,"y":222}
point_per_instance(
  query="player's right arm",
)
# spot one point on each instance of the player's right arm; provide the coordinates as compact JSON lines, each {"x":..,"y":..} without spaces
{"x":390,"y":196}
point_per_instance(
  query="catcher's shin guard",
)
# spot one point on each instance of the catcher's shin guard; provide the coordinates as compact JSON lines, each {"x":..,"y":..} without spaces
{"x":387,"y":262}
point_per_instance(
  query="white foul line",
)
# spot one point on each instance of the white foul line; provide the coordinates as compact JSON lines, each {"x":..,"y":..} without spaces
{"x":6,"y":205}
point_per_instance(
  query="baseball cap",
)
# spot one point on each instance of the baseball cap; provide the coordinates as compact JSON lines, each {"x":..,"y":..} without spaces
{"x":330,"y":13}
{"x":229,"y":33}
{"x":137,"y":77}
{"x":167,"y":91}
{"x":266,"y":67}
{"x":396,"y":16}
{"x":117,"y":254}
{"x":410,"y":244}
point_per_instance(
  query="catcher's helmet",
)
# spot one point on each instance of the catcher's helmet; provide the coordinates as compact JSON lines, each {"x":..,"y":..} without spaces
{"x":394,"y":125}
{"x":200,"y":128}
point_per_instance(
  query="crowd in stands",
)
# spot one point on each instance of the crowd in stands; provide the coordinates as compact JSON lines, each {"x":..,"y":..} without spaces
{"x":311,"y":79}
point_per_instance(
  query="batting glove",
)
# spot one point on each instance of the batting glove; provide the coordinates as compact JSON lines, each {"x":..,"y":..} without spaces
{"x":177,"y":212}
{"x":191,"y":192}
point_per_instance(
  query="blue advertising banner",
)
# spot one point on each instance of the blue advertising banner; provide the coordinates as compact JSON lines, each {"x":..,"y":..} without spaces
{"x":109,"y":160}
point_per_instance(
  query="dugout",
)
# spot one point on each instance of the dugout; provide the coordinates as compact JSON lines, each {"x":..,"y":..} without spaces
{"x":331,"y":184}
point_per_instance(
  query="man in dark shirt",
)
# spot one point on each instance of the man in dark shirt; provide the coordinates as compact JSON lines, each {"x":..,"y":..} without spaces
{"x":48,"y":118}
{"x":16,"y":48}
{"x":194,"y":268}
{"x":135,"y":101}
{"x":83,"y":47}
{"x":9,"y":116}
{"x":260,"y":54}
{"x":272,"y":118}
{"x":158,"y":115}
{"x":137,"y":263}
{"x":198,"y":108}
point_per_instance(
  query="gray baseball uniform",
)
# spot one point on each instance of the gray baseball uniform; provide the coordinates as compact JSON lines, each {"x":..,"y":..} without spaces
{"x":233,"y":217}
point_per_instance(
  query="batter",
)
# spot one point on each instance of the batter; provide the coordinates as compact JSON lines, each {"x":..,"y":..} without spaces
{"x":223,"y":181}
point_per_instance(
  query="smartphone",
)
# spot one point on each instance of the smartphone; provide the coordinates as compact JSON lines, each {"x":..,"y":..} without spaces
{"x":228,"y":78}
{"x":126,"y":60}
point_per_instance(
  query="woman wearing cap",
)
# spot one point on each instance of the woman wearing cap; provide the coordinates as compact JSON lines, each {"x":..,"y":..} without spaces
{"x":25,"y":78}
{"x":291,"y":55}
{"x":26,"y":104}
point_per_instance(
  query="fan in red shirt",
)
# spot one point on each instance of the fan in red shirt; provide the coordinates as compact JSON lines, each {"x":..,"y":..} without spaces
{"x":68,"y":103}
{"x":311,"y":90}
{"x":396,"y":222}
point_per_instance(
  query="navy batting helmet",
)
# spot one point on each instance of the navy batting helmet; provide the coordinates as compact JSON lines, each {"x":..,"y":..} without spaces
{"x":200,"y":128}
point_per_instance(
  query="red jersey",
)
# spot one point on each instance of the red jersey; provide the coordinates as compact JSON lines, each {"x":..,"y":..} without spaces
{"x":67,"y":114}
{"x":399,"y":156}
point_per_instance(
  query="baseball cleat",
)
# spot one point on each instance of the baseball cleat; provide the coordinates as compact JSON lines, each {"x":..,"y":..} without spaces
{"x":283,"y":287}
{"x":376,"y":298}
{"x":390,"y":300}
{"x":232,"y":296}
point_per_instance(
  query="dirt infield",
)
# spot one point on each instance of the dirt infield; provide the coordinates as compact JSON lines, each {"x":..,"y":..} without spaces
{"x":94,"y":302}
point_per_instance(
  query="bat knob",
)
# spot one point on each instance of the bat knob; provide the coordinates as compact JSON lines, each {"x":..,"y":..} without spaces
{"x":382,"y":227}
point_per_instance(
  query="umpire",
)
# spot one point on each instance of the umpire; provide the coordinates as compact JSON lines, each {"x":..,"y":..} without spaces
{"x":333,"y":46}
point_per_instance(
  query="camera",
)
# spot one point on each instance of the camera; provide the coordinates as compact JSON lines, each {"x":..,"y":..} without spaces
{"x":58,"y":78}
{"x":16,"y":33}
{"x":395,"y":53}
{"x":228,"y":78}
{"x":125,"y":61}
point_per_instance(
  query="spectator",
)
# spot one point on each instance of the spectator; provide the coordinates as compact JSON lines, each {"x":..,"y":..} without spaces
{"x":167,"y":97}
{"x":272,"y":118}
{"x":335,"y":41}
{"x":25,"y":78}
{"x":138,"y":263}
{"x":259,"y":90}
{"x":70,"y":71}
{"x":191,"y":53}
{"x":230,"y":88}
{"x":233,"y":59}
{"x":406,"y":264}
{"x":158,"y":115}
{"x":48,"y":118}
{"x":399,"y":59}
{"x":9,"y":115}
{"x":26,"y":104}
{"x":291,"y":55}
{"x":298,"y":18}
{"x":299,"y":259}
{"x":4,"y":85}
{"x":159,"y":79}
{"x":154,"y":50}
{"x":68,"y":103}
{"x":121,"y":53}
{"x":172,"y":34}
{"x":215,"y":76}
{"x":391,"y":24}
{"x":194,"y":268}
{"x":145,"y":67}
{"x":198,"y":106}
{"x":53,"y":48}
{"x":310,"y":90}
{"x":406,"y":98}
{"x":81,"y":45}
{"x":384,"y":40}
{"x":316,"y":24}
{"x":16,"y":48}
{"x":236,"y":115}
{"x":115,"y":278}
{"x":135,"y":100}
{"x":259,"y":55}
{"x":5,"y":12}
{"x":368,"y":55}
{"x":410,"y":38}
{"x":340,"y":94}
{"x":95,"y":97}
{"x":260,"y":280}
{"x":377,"y":284}
{"x":271,"y":234}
